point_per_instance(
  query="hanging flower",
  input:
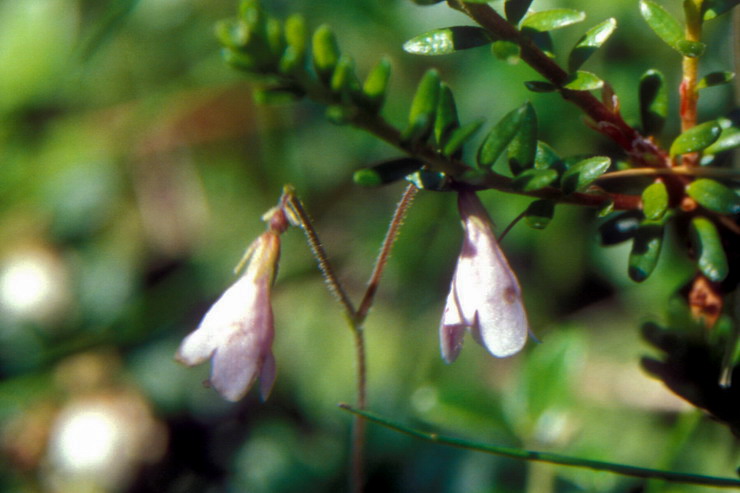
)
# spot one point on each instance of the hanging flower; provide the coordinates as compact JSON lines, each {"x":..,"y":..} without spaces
{"x":237,"y":332}
{"x":484,"y":297}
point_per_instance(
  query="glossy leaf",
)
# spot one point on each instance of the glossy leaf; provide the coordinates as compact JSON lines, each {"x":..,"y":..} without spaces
{"x":542,"y":40}
{"x":296,"y":36}
{"x":696,"y":139}
{"x":516,"y":9}
{"x":714,"y":196}
{"x":546,"y":157}
{"x":728,"y":139}
{"x":387,"y":172}
{"x":547,"y":20}
{"x":506,"y":51}
{"x":446,"y":120}
{"x":653,"y":102}
{"x":534,"y":179}
{"x":423,"y":107}
{"x":668,"y":29}
{"x":589,"y":43}
{"x":430,"y":180}
{"x":711,"y":256}
{"x":376,"y":84}
{"x":344,"y":79}
{"x":500,"y":137}
{"x":523,"y":147}
{"x":713,"y":8}
{"x":606,"y":208}
{"x":539,"y":214}
{"x":655,"y":200}
{"x":325,"y":52}
{"x":580,"y":175}
{"x":646,"y":247}
{"x":620,"y":228}
{"x":459,"y":136}
{"x":447,"y":40}
{"x":583,"y":81}
{"x":715,"y":79}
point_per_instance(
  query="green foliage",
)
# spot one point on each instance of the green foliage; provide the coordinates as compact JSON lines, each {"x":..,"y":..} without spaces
{"x":696,"y":138}
{"x":646,"y":247}
{"x":447,"y":41}
{"x":548,"y":20}
{"x":669,"y":29}
{"x":711,"y":255}
{"x":653,"y":102}
{"x":714,"y":196}
{"x":583,"y":173}
{"x":655,"y":201}
{"x":589,"y":43}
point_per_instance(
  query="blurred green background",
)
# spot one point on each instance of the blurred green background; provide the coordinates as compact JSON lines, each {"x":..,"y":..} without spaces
{"x":134,"y":168}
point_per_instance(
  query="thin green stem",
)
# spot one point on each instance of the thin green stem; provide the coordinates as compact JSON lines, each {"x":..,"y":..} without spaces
{"x":563,"y":460}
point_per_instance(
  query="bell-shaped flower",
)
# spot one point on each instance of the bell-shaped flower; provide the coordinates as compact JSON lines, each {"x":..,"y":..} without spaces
{"x":485,"y":297}
{"x":237,"y":332}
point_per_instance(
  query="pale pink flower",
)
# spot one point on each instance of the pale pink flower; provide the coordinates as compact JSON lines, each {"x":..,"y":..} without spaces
{"x":484,"y":297}
{"x":237,"y":332}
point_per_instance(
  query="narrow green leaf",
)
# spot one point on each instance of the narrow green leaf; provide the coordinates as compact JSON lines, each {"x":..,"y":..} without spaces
{"x":714,"y":196}
{"x":546,"y":157}
{"x":691,"y":48}
{"x":655,"y":200}
{"x":376,"y":84}
{"x":506,"y":51}
{"x":447,"y":40}
{"x":534,"y":179}
{"x":430,"y":180}
{"x":547,"y":20}
{"x":274,"y":36}
{"x":712,"y":259}
{"x":387,"y":172}
{"x":499,"y":137}
{"x":696,"y":139}
{"x":715,"y":79}
{"x":540,"y":86}
{"x":516,"y":9}
{"x":653,"y":102}
{"x":277,"y":94}
{"x":620,"y":228}
{"x":539,"y":214}
{"x":296,"y":37}
{"x":233,"y":33}
{"x":580,"y":175}
{"x":542,"y":40}
{"x":459,"y":136}
{"x":344,"y":79}
{"x":606,"y":209}
{"x":714,"y":8}
{"x":728,"y":139}
{"x":589,"y":43}
{"x":646,"y":248}
{"x":446,"y":119}
{"x":325,"y":52}
{"x":583,"y":81}
{"x":523,"y":147}
{"x":661,"y":22}
{"x":423,"y":107}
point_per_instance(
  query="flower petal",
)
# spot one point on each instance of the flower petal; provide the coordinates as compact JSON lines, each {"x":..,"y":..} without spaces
{"x":452,"y":329}
{"x":267,"y":375}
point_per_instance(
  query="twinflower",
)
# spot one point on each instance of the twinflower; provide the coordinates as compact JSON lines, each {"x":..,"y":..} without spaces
{"x":237,"y":332}
{"x":485,"y":297}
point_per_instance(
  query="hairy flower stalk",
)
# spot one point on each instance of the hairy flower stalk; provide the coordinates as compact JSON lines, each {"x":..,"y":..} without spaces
{"x":237,"y":332}
{"x":484,"y":297}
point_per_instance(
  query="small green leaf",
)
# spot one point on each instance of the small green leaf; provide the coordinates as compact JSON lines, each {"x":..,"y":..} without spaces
{"x":714,"y":196}
{"x":459,"y":136}
{"x":583,"y":81}
{"x":274,"y":36}
{"x":653,"y":102}
{"x":233,"y":33}
{"x":446,"y":120}
{"x":516,"y":9}
{"x":344,"y":79}
{"x":500,"y":137}
{"x":523,"y":147}
{"x":542,"y":40}
{"x":539,"y":214}
{"x":696,"y":138}
{"x":728,"y":139}
{"x":606,"y":209}
{"x":713,"y":8}
{"x":715,"y":79}
{"x":325,"y":52}
{"x":423,"y":107}
{"x":534,"y":179}
{"x":655,"y":200}
{"x":376,"y":84}
{"x":547,"y":20}
{"x":589,"y":43}
{"x":278,"y":94}
{"x":646,"y":248}
{"x":712,"y":259}
{"x":447,"y":40}
{"x":506,"y":51}
{"x":580,"y":175}
{"x":669,"y":29}
{"x":546,"y":157}
{"x":540,"y":86}
{"x":620,"y":228}
{"x":430,"y":180}
{"x":387,"y":172}
{"x":296,"y":37}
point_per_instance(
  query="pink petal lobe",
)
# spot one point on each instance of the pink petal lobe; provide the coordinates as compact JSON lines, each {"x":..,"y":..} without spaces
{"x":452,"y":329}
{"x":267,"y":375}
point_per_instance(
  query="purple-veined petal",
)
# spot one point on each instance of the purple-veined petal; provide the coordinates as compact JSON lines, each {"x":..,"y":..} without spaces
{"x":452,"y":328}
